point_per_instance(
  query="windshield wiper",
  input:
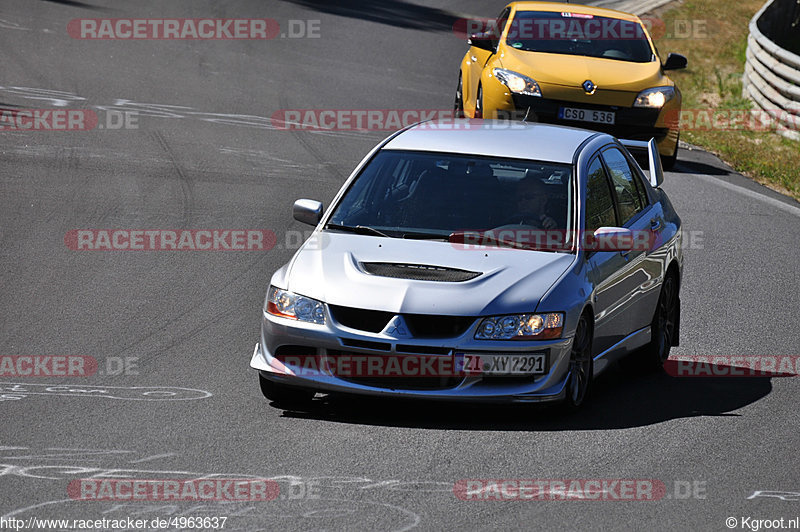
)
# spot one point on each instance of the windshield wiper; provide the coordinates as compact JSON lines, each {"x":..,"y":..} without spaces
{"x":358,"y":229}
{"x":482,"y":239}
{"x":487,"y":238}
{"x":420,"y":235}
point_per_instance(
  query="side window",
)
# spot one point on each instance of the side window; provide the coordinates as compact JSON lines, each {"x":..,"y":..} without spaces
{"x":628,"y":199}
{"x":638,"y":180}
{"x":599,"y":204}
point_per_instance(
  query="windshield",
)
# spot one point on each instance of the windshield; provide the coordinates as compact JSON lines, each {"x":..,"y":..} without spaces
{"x":443,"y":196}
{"x":578,"y":34}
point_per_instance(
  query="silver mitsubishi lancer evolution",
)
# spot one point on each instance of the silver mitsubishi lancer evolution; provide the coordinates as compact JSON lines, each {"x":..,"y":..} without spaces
{"x":477,"y":260}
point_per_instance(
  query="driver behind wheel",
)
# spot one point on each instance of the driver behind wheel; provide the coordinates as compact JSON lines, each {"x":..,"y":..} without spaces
{"x":532,"y":201}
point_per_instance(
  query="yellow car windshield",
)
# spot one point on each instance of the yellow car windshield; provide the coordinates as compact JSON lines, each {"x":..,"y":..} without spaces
{"x":579,"y":34}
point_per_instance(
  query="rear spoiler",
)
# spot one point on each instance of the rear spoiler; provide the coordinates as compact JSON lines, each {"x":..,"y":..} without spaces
{"x":654,"y":159}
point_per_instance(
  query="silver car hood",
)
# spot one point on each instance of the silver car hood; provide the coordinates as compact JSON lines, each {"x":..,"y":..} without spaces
{"x":327,"y":267}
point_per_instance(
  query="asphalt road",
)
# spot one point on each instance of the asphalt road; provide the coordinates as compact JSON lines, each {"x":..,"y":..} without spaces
{"x":173,"y":331}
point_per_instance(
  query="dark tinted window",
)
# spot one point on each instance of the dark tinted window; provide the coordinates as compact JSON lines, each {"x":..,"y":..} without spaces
{"x":629,"y":200}
{"x":403,"y":192}
{"x":599,"y":205}
{"x":588,"y":35}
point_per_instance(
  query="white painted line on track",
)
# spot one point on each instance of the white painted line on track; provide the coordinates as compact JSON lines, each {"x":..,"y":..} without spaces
{"x":791,"y":209}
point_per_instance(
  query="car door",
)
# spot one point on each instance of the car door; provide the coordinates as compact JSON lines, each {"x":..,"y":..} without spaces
{"x":604,"y":266}
{"x":639,"y":275}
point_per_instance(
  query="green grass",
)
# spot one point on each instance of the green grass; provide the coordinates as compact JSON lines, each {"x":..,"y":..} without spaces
{"x":713,"y":80}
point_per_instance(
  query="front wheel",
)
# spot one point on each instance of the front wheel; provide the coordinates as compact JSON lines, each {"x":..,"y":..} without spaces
{"x":580,"y":365}
{"x":283,"y":395}
{"x":458,"y":104}
{"x":668,"y":161}
{"x":479,"y":103}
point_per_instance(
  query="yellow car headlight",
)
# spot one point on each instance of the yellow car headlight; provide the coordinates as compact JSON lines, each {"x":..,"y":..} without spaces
{"x":654,"y":98}
{"x":517,"y":83}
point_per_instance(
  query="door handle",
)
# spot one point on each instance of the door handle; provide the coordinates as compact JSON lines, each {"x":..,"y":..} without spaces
{"x":655,"y":224}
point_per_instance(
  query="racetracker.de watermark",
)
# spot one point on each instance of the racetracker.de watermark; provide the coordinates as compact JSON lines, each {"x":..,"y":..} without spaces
{"x":559,"y":240}
{"x":206,"y":489}
{"x":596,"y":489}
{"x":191,"y":29}
{"x":66,"y":120}
{"x":47,"y":366}
{"x":170,"y":240}
{"x":576,"y":26}
{"x":379,"y":120}
{"x":554,"y":239}
{"x":734,"y":366}
{"x":47,"y":119}
{"x":388,"y":365}
{"x":733,"y":120}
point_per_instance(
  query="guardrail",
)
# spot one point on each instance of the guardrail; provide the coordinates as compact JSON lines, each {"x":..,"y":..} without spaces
{"x":772,"y":79}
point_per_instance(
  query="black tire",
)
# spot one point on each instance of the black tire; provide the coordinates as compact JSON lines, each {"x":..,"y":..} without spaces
{"x":664,"y":324}
{"x":479,"y":103}
{"x":668,"y":161}
{"x":284,"y":395}
{"x":458,"y":104}
{"x":581,"y":365}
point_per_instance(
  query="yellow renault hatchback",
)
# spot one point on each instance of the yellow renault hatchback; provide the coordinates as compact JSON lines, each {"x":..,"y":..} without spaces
{"x":574,"y":65}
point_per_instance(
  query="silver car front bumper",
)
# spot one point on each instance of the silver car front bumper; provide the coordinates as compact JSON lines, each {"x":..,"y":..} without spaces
{"x":279,"y":332}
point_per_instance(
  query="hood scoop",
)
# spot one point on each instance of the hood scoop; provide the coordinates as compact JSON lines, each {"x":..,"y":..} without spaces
{"x":418,"y":272}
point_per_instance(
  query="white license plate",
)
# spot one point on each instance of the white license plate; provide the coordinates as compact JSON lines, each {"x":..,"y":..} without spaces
{"x":586,"y":115}
{"x":504,"y":363}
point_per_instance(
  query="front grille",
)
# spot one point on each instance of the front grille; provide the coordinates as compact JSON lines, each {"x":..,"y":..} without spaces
{"x":436,"y":326}
{"x":630,"y":122}
{"x":422,"y":349}
{"x":363,"y":320}
{"x":393,"y":382}
{"x":295,"y":351}
{"x":418,"y":272}
{"x":407,"y":383}
{"x":365,"y":344}
{"x":419,"y":325}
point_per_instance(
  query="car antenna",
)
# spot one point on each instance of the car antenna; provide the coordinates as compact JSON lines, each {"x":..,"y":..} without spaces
{"x":527,"y":116}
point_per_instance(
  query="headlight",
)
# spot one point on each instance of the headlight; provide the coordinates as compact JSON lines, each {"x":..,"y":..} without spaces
{"x":517,"y":83}
{"x":655,"y":97}
{"x":288,"y":305}
{"x":521,"y":327}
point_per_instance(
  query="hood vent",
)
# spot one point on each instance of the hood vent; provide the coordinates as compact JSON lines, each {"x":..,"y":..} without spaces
{"x":418,"y":272}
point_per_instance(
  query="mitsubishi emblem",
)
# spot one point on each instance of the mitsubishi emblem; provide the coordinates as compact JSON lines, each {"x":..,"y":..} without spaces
{"x":397,"y":328}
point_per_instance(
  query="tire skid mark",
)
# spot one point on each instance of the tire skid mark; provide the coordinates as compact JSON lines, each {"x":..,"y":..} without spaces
{"x":303,"y":141}
{"x":187,"y":188}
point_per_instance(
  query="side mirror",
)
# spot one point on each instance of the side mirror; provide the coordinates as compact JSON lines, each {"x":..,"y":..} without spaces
{"x":307,"y":211}
{"x":674,"y":62}
{"x":484,"y":41}
{"x":611,"y":239}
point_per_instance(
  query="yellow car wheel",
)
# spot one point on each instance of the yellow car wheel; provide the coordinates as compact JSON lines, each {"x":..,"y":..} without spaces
{"x":458,"y":105}
{"x":668,"y":161}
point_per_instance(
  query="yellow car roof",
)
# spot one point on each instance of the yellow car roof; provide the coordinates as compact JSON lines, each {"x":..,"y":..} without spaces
{"x":573,"y":8}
